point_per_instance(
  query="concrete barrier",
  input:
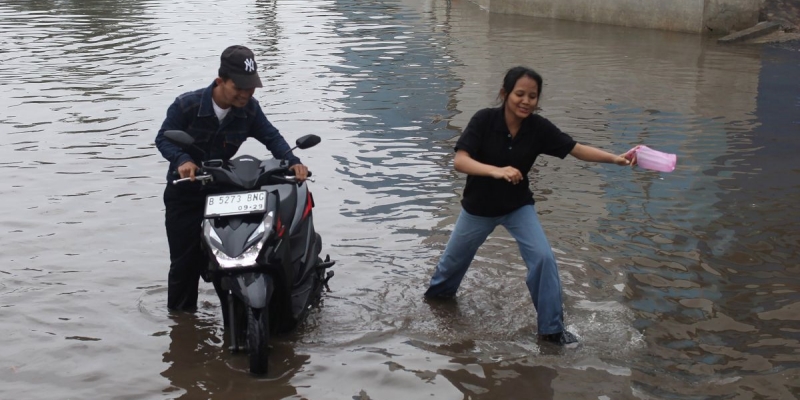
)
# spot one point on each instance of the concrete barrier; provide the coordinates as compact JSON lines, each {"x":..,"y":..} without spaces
{"x":759,"y":30}
{"x":696,"y":16}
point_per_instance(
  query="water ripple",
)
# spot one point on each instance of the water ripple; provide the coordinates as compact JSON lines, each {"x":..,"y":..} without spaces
{"x":680,"y":285}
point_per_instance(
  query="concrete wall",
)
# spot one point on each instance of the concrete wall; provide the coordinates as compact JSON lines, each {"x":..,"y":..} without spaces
{"x":725,"y":16}
{"x":696,"y":16}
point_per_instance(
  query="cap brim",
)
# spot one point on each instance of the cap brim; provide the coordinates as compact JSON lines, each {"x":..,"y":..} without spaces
{"x":246,"y":81}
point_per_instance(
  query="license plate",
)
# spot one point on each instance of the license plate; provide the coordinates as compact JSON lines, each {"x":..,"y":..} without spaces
{"x":236,"y":203}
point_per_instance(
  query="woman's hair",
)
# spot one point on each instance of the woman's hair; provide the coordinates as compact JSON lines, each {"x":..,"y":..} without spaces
{"x":512,"y":76}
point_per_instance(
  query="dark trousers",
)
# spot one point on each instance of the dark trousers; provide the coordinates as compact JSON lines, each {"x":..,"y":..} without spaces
{"x":182,"y":218}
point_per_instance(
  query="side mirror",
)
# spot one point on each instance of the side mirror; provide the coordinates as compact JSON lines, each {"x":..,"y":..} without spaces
{"x":308,"y":141}
{"x":181,"y":138}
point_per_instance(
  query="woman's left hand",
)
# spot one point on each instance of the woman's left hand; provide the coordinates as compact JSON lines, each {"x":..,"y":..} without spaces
{"x":621,"y":160}
{"x":628,"y":158}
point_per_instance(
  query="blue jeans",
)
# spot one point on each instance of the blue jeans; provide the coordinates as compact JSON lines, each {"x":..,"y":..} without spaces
{"x":542,"y":279}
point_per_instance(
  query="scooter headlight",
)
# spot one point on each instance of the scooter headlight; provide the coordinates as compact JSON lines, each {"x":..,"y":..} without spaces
{"x":212,"y":233}
{"x":255,"y":243}
{"x":264,"y":226}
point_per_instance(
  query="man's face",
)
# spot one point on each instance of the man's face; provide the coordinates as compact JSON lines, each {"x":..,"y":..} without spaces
{"x":232,"y":95}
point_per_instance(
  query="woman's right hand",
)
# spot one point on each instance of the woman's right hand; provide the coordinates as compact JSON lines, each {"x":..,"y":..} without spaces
{"x":509,"y":174}
{"x":466,"y":164}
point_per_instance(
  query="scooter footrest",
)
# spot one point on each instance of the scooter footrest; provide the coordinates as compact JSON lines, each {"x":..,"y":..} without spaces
{"x":324,"y":265}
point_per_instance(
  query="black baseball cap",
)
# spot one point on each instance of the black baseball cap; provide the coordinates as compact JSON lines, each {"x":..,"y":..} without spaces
{"x":240,"y":64}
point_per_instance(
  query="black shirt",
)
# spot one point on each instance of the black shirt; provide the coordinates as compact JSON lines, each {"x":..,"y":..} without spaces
{"x":488,"y":140}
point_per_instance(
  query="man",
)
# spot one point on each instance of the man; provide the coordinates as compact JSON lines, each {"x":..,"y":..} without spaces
{"x":219,"y":118}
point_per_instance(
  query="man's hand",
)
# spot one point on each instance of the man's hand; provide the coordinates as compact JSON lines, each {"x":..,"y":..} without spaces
{"x":187,"y":170}
{"x":300,"y":172}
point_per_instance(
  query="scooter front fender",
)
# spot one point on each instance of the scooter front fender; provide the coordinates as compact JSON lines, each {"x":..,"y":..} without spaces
{"x":254,"y":288}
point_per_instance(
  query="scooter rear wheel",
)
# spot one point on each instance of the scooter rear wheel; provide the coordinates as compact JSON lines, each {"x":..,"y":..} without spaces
{"x":258,"y":339}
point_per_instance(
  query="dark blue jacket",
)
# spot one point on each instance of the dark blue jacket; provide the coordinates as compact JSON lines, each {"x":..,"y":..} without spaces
{"x":193,"y":113}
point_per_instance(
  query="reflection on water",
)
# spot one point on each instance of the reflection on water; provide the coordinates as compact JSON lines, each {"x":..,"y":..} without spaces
{"x":680,"y":285}
{"x":199,"y":365}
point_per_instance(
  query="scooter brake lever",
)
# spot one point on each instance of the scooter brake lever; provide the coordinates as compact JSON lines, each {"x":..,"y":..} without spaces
{"x":202,"y":178}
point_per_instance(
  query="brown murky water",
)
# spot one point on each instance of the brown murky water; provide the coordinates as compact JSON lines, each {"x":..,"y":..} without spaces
{"x":682,"y":285}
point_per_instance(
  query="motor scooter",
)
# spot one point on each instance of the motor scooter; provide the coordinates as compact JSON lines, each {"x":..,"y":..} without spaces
{"x":262,"y":247}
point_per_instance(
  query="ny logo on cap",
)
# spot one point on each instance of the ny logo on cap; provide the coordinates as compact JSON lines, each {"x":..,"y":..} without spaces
{"x":249,"y":65}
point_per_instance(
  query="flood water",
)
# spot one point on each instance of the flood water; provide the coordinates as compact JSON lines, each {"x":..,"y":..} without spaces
{"x":681,"y":285}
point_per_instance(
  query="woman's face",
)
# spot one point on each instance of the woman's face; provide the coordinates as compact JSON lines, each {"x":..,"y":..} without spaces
{"x":524,"y":98}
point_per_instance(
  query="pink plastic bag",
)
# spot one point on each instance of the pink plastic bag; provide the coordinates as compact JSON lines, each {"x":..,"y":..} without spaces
{"x":653,"y":159}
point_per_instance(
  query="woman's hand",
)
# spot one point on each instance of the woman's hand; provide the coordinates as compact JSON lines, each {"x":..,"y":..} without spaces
{"x":509,"y":174}
{"x":625,"y":159}
{"x":629,"y":156}
{"x":466,"y":164}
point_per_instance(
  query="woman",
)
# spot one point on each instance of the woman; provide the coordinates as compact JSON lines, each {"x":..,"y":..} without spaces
{"x":496,"y":151}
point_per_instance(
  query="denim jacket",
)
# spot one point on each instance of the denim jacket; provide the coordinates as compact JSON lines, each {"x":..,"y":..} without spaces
{"x":193,"y":113}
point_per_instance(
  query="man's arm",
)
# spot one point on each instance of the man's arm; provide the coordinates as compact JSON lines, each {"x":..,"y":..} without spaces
{"x":174,"y":120}
{"x":266,"y":133}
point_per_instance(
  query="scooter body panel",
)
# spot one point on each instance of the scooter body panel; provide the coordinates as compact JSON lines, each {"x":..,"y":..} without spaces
{"x":255,"y":289}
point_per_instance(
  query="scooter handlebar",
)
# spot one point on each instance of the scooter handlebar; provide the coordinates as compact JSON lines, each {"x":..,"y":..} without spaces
{"x":292,"y":178}
{"x":208,"y":178}
{"x":201,"y":178}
